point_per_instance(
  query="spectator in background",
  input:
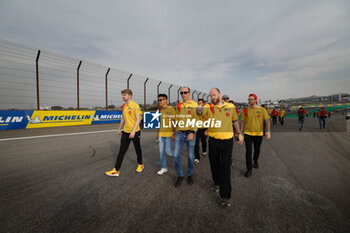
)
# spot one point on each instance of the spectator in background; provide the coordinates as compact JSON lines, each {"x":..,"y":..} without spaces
{"x":301,"y":116}
{"x":281,"y":114}
{"x":322,"y":115}
{"x":274,"y":115}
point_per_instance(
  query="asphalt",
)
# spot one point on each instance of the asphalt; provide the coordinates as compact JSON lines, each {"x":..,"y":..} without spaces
{"x":57,"y":184}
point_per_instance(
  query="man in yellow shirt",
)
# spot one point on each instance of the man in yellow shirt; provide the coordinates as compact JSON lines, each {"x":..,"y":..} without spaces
{"x":131,"y":118}
{"x":221,"y":142}
{"x":186,"y":134}
{"x":165,"y":134}
{"x":201,"y":136}
{"x":281,"y":114}
{"x":252,"y":121}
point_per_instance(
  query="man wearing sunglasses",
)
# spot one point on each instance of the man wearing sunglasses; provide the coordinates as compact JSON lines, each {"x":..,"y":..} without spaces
{"x":165,"y":135}
{"x":252,"y":121}
{"x":185,"y":110}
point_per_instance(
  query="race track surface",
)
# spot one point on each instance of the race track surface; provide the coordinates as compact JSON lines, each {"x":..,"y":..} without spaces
{"x":57,"y":184}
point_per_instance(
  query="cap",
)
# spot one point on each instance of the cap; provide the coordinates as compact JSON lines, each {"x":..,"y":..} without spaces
{"x":255,"y":97}
{"x":225,"y":97}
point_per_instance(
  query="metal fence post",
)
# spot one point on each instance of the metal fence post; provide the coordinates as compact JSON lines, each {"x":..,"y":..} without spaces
{"x":107,"y":89}
{"x":169,"y":92}
{"x":37,"y":81}
{"x":194,"y":91}
{"x":144,"y":95}
{"x":78,"y":103}
{"x":158,"y":88}
{"x":127,"y":82}
{"x":178,"y":93}
{"x":198,"y":96}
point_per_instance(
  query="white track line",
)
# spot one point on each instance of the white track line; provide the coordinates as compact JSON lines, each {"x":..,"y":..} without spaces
{"x":56,"y":135}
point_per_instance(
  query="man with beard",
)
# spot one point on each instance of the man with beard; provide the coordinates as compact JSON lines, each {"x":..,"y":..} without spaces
{"x":221,"y":143}
{"x":131,"y":118}
{"x":252,"y":121}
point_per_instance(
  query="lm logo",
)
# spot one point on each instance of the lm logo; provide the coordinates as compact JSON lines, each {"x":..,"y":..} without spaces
{"x":151,"y":120}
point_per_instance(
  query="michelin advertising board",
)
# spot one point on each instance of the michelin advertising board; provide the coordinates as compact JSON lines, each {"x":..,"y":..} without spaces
{"x":42,"y":119}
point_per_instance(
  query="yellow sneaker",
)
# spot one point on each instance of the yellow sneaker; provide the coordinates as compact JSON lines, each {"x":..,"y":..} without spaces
{"x":113,"y":173}
{"x":139,"y":168}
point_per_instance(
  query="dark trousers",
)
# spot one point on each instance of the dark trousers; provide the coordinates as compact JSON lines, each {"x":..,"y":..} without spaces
{"x":274,"y":120}
{"x":249,"y":140}
{"x":281,"y":119}
{"x":124,"y":146}
{"x":220,"y":157}
{"x":203,"y":138}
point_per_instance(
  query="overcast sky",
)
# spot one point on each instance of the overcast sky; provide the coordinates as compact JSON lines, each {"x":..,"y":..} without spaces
{"x":276,"y":49}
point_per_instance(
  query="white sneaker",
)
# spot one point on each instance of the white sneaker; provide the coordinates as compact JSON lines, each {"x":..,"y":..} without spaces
{"x":205,"y":153}
{"x":196,"y":161}
{"x":161,"y":171}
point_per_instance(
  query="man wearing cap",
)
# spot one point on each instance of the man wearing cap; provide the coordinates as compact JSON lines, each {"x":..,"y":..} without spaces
{"x":186,"y":134}
{"x":301,"y":116}
{"x":221,"y":143}
{"x":226,"y":98}
{"x":322,"y":115}
{"x":252,"y":121}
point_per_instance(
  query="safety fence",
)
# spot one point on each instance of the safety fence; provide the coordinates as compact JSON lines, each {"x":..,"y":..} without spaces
{"x":33,"y":79}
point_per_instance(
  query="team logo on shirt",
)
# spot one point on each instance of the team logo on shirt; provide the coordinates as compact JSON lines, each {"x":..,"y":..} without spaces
{"x":227,"y":114}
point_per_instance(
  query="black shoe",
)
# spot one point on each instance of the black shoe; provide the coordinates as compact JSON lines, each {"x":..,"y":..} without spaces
{"x":225,"y":202}
{"x":248,"y":173}
{"x":215,"y":188}
{"x":189,"y":180}
{"x":179,"y":181}
{"x":256,"y":165}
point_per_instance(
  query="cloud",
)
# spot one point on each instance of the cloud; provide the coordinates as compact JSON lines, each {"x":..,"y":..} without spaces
{"x":279,"y":47}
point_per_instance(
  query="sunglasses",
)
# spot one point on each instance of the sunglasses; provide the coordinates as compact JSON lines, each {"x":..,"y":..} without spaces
{"x":184,"y":92}
{"x":160,"y":100}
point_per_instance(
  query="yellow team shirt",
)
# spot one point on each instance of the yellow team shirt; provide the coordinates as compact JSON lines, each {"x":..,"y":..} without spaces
{"x":166,"y":118}
{"x":202,"y":117}
{"x":281,"y":113}
{"x":225,"y":113}
{"x":185,"y":111}
{"x":254,"y":120}
{"x":130,"y":111}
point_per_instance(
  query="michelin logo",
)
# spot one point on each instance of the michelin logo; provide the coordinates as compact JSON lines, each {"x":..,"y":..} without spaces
{"x":151,"y":120}
{"x":106,"y":117}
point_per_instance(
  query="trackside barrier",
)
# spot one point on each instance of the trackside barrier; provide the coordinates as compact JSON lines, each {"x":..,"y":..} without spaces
{"x":43,"y":119}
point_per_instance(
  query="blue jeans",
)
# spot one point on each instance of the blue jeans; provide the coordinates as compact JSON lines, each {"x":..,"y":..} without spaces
{"x":301,"y":123}
{"x":165,"y":144}
{"x":322,"y":122}
{"x":180,"y":140}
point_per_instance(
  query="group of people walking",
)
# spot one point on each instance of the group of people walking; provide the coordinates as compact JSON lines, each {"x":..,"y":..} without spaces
{"x":321,"y":115}
{"x":191,"y":124}
{"x":280,"y":114}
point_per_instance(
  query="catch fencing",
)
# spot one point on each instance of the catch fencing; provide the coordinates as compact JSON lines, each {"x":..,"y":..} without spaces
{"x":33,"y":79}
